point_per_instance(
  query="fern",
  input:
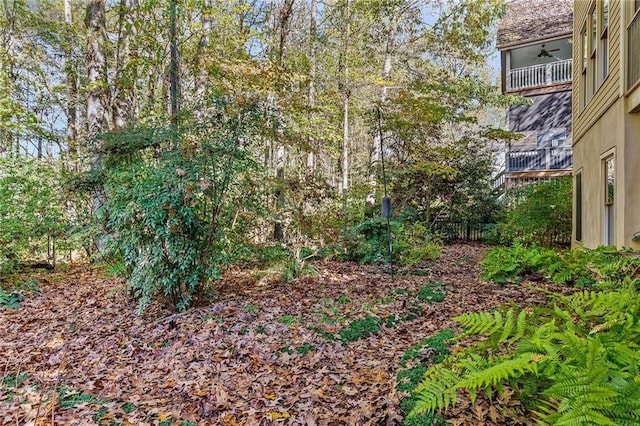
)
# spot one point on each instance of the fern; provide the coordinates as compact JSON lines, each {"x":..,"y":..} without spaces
{"x":437,"y":390}
{"x":501,"y":372}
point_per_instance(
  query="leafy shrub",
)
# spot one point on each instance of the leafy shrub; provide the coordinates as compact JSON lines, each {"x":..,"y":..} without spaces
{"x":412,"y":243}
{"x":168,"y":210}
{"x":539,"y":213}
{"x":574,"y":362}
{"x":31,"y":209}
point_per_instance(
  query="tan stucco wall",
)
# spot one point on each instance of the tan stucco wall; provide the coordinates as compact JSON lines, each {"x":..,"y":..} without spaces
{"x":632,"y":180}
{"x":604,"y":136}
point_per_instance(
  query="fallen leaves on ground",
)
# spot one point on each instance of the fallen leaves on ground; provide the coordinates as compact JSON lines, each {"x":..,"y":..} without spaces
{"x":258,"y":355}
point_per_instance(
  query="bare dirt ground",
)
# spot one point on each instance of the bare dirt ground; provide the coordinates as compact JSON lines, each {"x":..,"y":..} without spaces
{"x":259,"y":354}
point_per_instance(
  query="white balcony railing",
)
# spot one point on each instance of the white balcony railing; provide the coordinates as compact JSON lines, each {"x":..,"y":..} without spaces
{"x":539,"y":75}
{"x":552,"y":158}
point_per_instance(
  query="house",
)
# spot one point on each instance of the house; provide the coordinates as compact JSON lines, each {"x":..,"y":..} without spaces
{"x":606,"y":123}
{"x":535,"y":42}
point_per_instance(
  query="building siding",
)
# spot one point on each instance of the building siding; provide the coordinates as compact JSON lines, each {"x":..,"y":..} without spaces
{"x":606,"y":127}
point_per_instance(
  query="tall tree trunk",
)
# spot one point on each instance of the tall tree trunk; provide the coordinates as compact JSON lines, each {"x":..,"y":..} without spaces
{"x":345,"y":110}
{"x":284,"y":19}
{"x":311,"y":155}
{"x":203,"y":44}
{"x":124,"y":100}
{"x":98,"y":89}
{"x":72,"y":93}
{"x":173,"y":69}
{"x":377,"y":142}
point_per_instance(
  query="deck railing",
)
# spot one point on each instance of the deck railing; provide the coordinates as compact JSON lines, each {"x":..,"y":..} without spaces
{"x":540,"y":75}
{"x":633,"y":34}
{"x":555,"y":158}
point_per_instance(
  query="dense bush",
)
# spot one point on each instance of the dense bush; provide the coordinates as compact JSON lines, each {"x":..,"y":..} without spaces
{"x":169,"y":199}
{"x":32,"y":212}
{"x":538,"y":213}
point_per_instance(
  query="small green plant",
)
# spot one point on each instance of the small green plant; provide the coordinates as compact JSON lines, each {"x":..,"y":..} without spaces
{"x":342,"y":300}
{"x":128,"y":407}
{"x":15,"y":379}
{"x":431,"y":350}
{"x":297,"y":266}
{"x":11,"y":300}
{"x":69,"y":397}
{"x":504,"y":265}
{"x":250,"y":308}
{"x":305,"y":349}
{"x":430,"y":292}
{"x":260,"y":329}
{"x":360,"y":328}
{"x":289,"y":320}
{"x":434,"y":348}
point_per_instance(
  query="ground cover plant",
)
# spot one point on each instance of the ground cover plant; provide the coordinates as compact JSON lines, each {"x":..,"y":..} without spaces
{"x":578,"y":267}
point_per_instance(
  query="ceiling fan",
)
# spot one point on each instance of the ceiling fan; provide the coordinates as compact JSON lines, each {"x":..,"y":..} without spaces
{"x":544,"y":53}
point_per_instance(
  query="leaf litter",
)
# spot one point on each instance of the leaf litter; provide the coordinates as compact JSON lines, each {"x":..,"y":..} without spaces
{"x":259,"y":354}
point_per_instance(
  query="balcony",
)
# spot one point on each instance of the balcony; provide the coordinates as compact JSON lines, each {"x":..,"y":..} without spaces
{"x":542,"y":75}
{"x":552,"y":158}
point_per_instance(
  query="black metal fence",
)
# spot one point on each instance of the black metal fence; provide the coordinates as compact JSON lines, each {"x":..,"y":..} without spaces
{"x":461,"y":230}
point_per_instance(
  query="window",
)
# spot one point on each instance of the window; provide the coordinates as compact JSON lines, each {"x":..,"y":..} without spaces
{"x":609,"y":198}
{"x":578,"y":222}
{"x":604,"y":42}
{"x":583,"y":78}
{"x":593,"y":25}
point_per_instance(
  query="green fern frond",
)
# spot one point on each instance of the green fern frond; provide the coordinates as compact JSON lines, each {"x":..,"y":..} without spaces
{"x":437,"y":391}
{"x":500,"y":327}
{"x":508,"y":327}
{"x":476,"y":322}
{"x":502,"y":371}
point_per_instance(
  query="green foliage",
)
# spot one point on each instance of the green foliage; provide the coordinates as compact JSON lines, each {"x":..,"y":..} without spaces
{"x":360,"y":328}
{"x":436,"y":348}
{"x":505,"y":264}
{"x":574,"y":362}
{"x":296,"y":266}
{"x":168,"y":214}
{"x":540,"y":212}
{"x":429,"y":292}
{"x":31,"y":209}
{"x":11,"y":300}
{"x":69,"y":397}
{"x":14,"y":380}
{"x":579,"y":267}
{"x":412,"y":242}
{"x":431,"y":350}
